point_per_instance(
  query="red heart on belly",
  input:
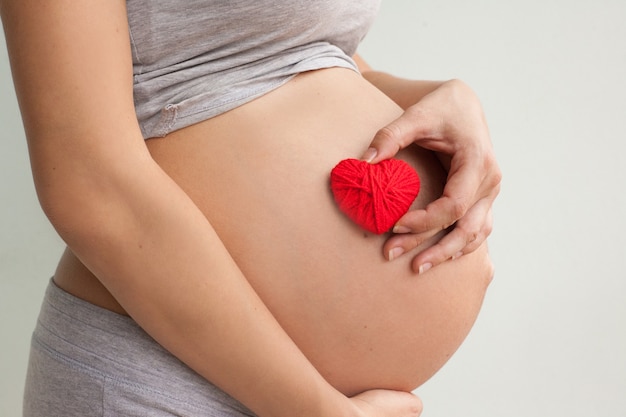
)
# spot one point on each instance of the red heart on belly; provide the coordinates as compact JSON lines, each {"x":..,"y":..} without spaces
{"x":374,"y":196}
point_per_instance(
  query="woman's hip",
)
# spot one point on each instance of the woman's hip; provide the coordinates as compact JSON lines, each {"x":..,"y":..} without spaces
{"x":86,"y":360}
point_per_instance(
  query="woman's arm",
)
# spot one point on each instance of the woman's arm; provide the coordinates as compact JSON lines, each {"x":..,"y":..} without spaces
{"x":445,"y":117}
{"x":136,"y":230}
{"x":403,"y":92}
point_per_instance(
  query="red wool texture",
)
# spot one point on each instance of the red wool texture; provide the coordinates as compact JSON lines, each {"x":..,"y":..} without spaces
{"x":374,"y":196}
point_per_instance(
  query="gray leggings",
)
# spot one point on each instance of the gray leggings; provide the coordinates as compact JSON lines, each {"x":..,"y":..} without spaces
{"x":86,"y":361}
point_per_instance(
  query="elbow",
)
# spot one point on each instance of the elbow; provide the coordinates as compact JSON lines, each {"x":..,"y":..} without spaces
{"x":68,"y":209}
{"x":81,"y":208}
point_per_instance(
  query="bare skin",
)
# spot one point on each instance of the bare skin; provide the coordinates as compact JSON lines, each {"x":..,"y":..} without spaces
{"x":363,"y":321}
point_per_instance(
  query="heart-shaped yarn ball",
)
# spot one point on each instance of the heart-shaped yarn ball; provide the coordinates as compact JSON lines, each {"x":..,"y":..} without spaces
{"x":374,"y":196}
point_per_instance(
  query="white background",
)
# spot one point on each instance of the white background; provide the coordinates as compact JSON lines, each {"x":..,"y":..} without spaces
{"x":551,"y":339}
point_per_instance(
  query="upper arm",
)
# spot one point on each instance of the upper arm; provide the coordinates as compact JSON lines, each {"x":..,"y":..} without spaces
{"x":72,"y":70}
{"x":361,"y":64}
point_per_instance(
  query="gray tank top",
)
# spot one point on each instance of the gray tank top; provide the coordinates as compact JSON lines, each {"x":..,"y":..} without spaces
{"x":195,"y":59}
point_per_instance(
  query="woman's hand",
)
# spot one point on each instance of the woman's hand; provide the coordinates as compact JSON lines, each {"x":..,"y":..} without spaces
{"x":384,"y":403}
{"x":450,"y":121}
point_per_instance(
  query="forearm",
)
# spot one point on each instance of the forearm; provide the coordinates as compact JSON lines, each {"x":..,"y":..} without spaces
{"x":403,"y":91}
{"x":162,"y":260}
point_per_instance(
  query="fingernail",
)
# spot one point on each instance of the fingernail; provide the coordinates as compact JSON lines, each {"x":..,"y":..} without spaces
{"x":370,"y":154}
{"x":395,"y":253}
{"x":457,"y":255}
{"x":425,"y":267}
{"x":401,"y":229}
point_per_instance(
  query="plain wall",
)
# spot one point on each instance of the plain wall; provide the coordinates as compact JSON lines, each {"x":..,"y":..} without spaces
{"x":551,"y":339}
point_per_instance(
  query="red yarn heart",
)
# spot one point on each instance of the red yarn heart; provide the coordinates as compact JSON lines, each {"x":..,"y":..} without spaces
{"x":374,"y":196}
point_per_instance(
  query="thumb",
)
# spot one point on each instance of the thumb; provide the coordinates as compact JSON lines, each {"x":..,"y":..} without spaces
{"x":390,"y":139}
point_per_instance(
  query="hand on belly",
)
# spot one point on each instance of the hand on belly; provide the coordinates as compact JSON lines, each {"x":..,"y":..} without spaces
{"x":260,"y":174}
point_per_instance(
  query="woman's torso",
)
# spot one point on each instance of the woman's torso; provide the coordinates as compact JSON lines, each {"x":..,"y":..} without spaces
{"x":260,"y":173}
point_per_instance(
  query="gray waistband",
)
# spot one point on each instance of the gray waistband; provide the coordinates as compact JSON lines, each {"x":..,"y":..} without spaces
{"x":112,"y":346}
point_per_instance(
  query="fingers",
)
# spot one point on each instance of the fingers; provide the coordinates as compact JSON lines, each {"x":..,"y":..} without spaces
{"x":386,"y":403}
{"x":465,"y":237}
{"x":446,"y":210}
{"x":469,"y":212}
{"x":395,"y":136}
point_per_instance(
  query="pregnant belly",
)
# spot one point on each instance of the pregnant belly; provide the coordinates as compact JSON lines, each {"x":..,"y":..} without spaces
{"x":260,"y":174}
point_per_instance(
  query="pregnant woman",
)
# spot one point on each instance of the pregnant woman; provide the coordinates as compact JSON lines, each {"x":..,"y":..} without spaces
{"x":182,"y":150}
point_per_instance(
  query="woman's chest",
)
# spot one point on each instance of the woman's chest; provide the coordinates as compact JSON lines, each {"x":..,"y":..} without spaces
{"x":171,"y":32}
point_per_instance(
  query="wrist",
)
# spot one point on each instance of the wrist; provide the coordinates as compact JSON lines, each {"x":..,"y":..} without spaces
{"x":337,"y":405}
{"x":306,"y":397}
